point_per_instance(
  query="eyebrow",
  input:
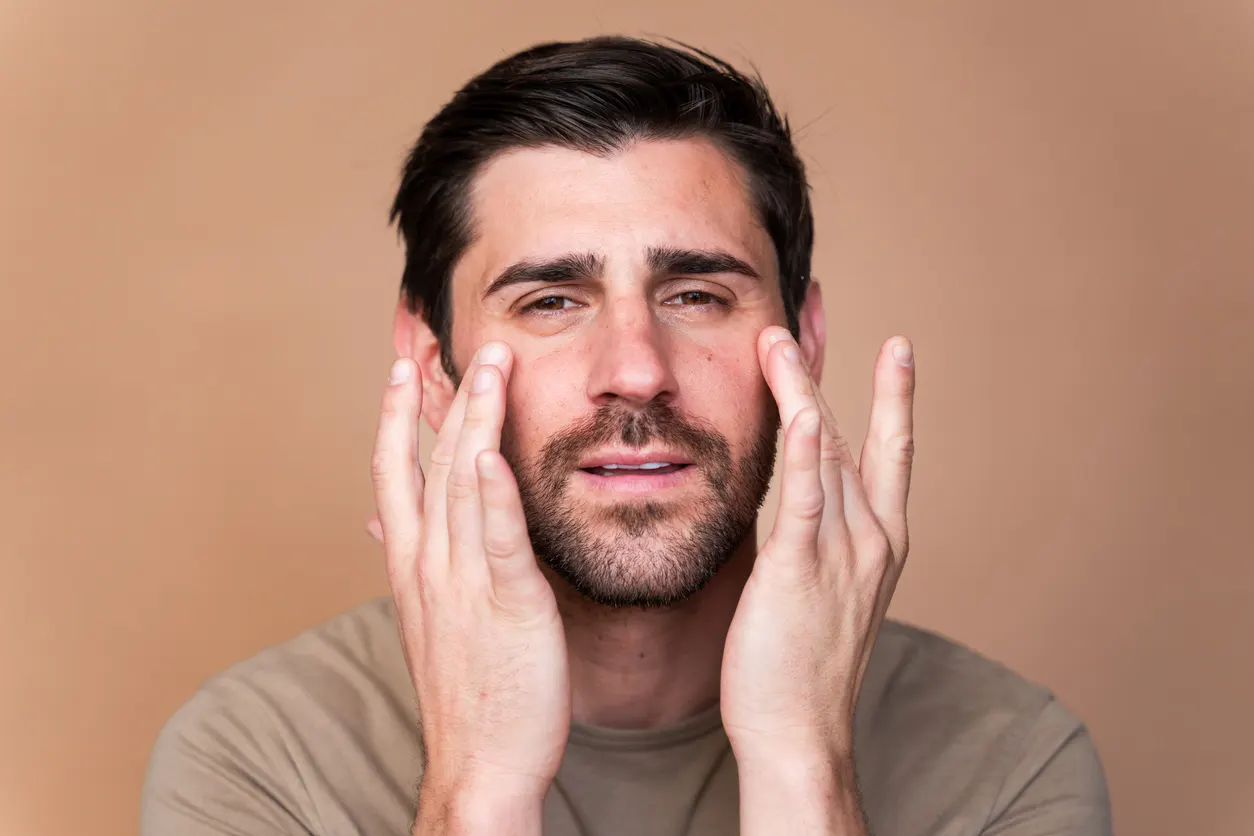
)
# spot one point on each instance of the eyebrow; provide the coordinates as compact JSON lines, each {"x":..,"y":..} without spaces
{"x":672,"y":260}
{"x":567,"y":268}
{"x":574,"y":267}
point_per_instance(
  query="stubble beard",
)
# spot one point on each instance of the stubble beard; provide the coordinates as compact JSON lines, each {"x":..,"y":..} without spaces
{"x":640,"y":553}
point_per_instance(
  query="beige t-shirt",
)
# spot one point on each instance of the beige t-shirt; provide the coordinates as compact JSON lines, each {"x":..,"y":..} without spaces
{"x":319,"y":736}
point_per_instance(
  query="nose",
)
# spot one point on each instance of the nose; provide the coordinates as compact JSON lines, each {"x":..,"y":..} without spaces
{"x":631,"y":357}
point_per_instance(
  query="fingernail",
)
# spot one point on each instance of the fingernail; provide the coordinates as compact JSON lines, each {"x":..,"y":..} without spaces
{"x":400,"y":371}
{"x":775,"y":337}
{"x":903,"y":353}
{"x":790,"y":353}
{"x":482,"y":381}
{"x":492,"y":354}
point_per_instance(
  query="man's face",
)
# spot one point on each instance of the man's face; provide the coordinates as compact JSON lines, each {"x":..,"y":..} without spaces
{"x":632,"y":290}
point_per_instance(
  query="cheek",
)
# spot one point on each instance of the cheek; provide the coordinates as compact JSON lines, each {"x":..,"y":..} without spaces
{"x":728,"y":390}
{"x":544,"y":397}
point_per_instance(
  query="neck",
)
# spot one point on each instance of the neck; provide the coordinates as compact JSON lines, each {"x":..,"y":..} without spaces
{"x":638,"y":669}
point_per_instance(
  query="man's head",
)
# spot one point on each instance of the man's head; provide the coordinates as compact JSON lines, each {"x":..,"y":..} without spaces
{"x":627,"y":217}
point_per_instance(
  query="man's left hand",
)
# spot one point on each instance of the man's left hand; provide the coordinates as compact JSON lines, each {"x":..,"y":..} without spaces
{"x":806,"y":622}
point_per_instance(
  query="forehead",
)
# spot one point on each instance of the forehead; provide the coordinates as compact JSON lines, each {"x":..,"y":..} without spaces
{"x":548,"y":201}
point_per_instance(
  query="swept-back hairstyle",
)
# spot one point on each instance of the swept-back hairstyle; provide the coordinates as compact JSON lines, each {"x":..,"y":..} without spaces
{"x":597,"y":96}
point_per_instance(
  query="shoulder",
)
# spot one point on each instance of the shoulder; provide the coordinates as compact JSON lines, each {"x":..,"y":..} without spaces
{"x":969,"y":734}
{"x":915,"y":672}
{"x":333,"y":663}
{"x":270,"y":737}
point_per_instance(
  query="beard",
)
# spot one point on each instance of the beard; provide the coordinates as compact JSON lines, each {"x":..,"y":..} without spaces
{"x":643,"y":553}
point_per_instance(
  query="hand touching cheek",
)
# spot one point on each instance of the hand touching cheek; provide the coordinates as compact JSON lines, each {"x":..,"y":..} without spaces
{"x":802,"y":634}
{"x":479,"y":624}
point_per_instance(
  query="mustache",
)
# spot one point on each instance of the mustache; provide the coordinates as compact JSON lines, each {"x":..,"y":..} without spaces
{"x":657,"y":421}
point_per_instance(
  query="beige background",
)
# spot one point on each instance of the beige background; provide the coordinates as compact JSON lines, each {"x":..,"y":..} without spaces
{"x":1054,"y":199}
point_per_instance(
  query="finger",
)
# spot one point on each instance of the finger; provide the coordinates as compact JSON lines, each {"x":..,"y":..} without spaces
{"x":516,"y":578}
{"x":793,"y":388}
{"x":888,"y":455}
{"x":794,"y":391}
{"x":803,"y":497}
{"x":850,"y":515}
{"x":398,"y":482}
{"x":481,"y":430}
{"x":374,"y":529}
{"x":442,"y":456}
{"x":790,"y":391}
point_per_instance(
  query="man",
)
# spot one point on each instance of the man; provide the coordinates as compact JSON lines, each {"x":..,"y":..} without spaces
{"x":606,"y":315}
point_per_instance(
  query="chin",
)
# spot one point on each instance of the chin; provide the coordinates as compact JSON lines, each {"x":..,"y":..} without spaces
{"x":638,"y":555}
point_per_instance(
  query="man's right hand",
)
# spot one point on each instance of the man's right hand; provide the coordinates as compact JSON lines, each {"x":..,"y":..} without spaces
{"x":478,"y":621}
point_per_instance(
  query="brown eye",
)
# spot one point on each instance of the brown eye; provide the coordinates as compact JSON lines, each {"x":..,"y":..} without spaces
{"x":549,"y":303}
{"x":693,"y":298}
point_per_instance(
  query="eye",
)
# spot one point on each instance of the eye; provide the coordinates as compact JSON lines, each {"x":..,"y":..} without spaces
{"x":550,"y":303}
{"x":695,"y":298}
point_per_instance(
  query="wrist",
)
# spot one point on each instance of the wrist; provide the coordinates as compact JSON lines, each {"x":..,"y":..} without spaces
{"x":479,"y":808}
{"x":793,"y":768}
{"x":808,"y":751}
{"x":800,"y":794}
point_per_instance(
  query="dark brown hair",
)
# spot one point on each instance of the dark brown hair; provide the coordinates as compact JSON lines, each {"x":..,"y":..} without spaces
{"x":596,"y":96}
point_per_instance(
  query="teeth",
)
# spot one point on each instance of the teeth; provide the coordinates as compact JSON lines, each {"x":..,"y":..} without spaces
{"x":646,"y":466}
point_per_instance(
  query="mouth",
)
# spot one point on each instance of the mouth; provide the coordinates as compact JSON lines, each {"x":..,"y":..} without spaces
{"x":635,"y":474}
{"x":616,"y":471}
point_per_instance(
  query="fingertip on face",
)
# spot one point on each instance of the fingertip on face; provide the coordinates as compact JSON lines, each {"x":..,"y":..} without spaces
{"x":493,"y":353}
{"x":771,"y":335}
{"x":768,"y":338}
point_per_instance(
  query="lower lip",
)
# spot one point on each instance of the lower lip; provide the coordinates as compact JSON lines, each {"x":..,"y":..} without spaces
{"x":637,"y":482}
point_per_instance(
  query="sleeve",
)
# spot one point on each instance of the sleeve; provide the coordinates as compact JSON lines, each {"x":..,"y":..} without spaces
{"x":218,"y":769}
{"x":1058,"y":787}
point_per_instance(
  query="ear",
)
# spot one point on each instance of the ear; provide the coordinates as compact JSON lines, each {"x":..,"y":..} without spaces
{"x":412,"y":337}
{"x":813,"y":326}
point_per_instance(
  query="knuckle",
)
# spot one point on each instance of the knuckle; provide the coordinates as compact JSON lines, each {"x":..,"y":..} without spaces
{"x":391,"y":403}
{"x":790,"y":570}
{"x":477,"y":412}
{"x":442,"y":454}
{"x":498,"y":546}
{"x":462,"y":484}
{"x":381,"y":465}
{"x":898,"y":447}
{"x":831,"y":452}
{"x":809,"y":506}
{"x":874,"y":558}
{"x":394,"y":407}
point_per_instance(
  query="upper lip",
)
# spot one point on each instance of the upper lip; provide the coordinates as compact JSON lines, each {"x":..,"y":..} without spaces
{"x":632,"y":457}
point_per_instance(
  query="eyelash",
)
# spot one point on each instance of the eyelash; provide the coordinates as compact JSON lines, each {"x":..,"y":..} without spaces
{"x":534,"y":307}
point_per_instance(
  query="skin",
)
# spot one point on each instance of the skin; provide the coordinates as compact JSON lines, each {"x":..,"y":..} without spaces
{"x":503,"y":653}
